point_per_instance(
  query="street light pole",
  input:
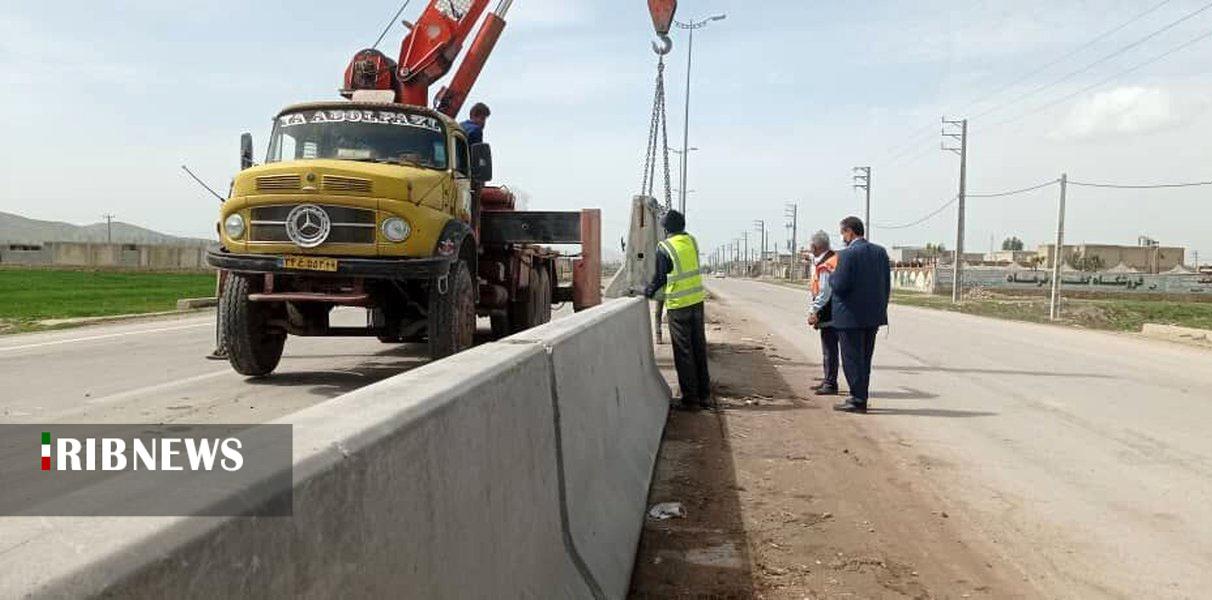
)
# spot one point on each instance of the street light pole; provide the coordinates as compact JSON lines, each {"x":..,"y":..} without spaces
{"x":691,"y":26}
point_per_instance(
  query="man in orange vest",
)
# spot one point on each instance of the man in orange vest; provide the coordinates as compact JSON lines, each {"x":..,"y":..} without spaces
{"x":820,"y":311}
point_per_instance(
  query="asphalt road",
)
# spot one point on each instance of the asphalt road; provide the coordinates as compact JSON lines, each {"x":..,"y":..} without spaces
{"x":155,"y":371}
{"x":1083,"y":458}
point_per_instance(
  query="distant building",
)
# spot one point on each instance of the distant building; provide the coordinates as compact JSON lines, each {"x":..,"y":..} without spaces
{"x":910,"y":254}
{"x":1006,"y":257}
{"x":1143,"y":258}
{"x":948,"y":257}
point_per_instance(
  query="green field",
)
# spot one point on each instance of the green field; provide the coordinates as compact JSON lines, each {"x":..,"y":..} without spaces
{"x":30,"y":295}
{"x":1111,"y":314}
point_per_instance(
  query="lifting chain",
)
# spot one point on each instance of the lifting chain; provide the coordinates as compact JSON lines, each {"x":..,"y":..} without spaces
{"x":658,"y":139}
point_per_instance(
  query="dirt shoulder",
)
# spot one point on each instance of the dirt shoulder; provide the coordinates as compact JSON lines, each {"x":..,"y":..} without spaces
{"x":785,"y":498}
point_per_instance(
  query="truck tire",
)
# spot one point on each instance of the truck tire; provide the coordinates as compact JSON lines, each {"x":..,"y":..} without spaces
{"x":500,"y":326}
{"x":524,"y":312}
{"x":452,"y":316}
{"x":544,"y":307}
{"x":253,"y":348}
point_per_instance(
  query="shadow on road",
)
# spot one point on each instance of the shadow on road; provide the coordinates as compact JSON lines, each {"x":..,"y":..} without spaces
{"x":330,"y":383}
{"x":929,"y":412}
{"x":935,"y":369}
{"x":705,"y":554}
{"x":904,"y":394}
{"x":764,"y":387}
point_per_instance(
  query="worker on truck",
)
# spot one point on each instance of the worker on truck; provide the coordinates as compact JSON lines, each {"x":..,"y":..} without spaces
{"x":474,"y":127}
{"x":679,"y":275}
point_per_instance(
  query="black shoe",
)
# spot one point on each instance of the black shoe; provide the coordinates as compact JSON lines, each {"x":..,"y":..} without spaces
{"x":851,"y":405}
{"x":687,"y":407}
{"x":825,"y":390}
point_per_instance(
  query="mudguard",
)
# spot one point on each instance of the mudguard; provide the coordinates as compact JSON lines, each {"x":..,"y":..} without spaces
{"x":454,"y":235}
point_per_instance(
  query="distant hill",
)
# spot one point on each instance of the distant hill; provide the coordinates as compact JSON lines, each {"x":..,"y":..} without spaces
{"x":15,"y":229}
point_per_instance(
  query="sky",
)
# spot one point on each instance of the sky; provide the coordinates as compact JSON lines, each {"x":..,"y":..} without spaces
{"x":104,"y":101}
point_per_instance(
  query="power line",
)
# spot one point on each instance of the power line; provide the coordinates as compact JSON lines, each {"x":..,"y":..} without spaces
{"x":906,"y":146}
{"x":1016,"y":192}
{"x":952,"y":201}
{"x":391,"y":24}
{"x":1098,"y":38}
{"x":1107,"y":80}
{"x":1141,"y":187}
{"x":1099,"y":61}
{"x":933,"y":214}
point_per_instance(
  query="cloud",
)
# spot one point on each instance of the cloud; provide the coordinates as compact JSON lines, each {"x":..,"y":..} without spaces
{"x":1120,"y":112}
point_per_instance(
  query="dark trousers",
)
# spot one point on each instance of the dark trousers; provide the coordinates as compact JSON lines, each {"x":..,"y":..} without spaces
{"x":686,"y":331}
{"x":858,"y":345}
{"x":829,"y":355}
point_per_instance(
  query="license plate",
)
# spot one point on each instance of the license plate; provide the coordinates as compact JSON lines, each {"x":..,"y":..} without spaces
{"x":310,"y":263}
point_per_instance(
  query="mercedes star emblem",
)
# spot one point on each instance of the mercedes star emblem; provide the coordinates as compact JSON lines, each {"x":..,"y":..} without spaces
{"x":308,"y":225}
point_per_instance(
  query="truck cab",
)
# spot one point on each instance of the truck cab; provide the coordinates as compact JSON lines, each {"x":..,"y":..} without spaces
{"x":357,"y":204}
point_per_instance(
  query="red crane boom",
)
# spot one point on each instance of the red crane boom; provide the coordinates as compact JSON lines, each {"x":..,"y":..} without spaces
{"x":428,"y":53}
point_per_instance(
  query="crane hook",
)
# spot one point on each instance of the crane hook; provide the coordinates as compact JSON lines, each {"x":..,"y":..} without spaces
{"x":664,"y":46}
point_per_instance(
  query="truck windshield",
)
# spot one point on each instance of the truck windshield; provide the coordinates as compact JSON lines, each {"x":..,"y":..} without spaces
{"x":386,"y":136}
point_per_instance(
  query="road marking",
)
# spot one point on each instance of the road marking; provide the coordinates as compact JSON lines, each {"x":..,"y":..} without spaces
{"x":127,"y":394}
{"x":102,"y":337}
{"x":159,"y":387}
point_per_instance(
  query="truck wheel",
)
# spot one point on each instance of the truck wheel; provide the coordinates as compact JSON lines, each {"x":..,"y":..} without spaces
{"x":544,"y":307}
{"x":500,"y":326}
{"x":253,"y":349}
{"x":452,"y":316}
{"x":526,"y":311}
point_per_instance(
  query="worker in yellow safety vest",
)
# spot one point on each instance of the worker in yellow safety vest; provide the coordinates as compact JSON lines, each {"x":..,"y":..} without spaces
{"x":679,"y":275}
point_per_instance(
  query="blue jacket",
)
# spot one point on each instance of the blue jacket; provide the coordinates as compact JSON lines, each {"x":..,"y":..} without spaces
{"x":861,"y":285}
{"x":475,"y":133}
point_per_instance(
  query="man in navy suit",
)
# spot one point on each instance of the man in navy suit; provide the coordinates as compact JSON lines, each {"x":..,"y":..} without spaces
{"x":861,"y":285}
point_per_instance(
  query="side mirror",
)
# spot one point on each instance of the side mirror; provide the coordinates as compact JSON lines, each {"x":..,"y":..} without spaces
{"x":481,"y":162}
{"x":246,"y":151}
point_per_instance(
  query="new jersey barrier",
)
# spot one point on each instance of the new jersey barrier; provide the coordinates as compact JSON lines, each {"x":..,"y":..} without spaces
{"x":516,"y":469}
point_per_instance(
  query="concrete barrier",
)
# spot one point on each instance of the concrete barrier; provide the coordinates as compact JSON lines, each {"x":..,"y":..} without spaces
{"x":612,"y":404}
{"x":516,"y":469}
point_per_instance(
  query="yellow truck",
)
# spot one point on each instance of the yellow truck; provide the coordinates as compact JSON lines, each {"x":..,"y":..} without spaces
{"x":378,"y":202}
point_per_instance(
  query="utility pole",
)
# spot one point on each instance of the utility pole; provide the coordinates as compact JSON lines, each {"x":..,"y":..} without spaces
{"x":691,"y":27}
{"x":109,"y":228}
{"x":792,"y":211}
{"x":736,"y":254}
{"x":759,"y":227}
{"x":862,"y":181}
{"x":745,"y":234}
{"x":1057,"y":254}
{"x":957,"y":285}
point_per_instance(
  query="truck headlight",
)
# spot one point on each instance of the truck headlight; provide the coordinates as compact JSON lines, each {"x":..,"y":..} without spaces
{"x":234,"y":226}
{"x":396,"y":229}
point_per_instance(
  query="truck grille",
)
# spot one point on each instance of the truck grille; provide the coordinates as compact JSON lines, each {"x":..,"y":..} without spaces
{"x":349,"y":225}
{"x":279,"y":183}
{"x":334,"y":183}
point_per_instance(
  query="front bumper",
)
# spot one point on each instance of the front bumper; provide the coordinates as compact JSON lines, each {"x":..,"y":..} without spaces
{"x":365,"y":268}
